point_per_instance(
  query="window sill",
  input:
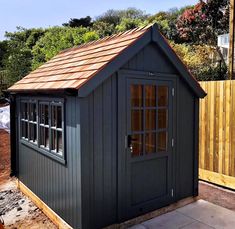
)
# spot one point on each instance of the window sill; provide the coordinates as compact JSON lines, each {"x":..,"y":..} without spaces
{"x":43,"y":151}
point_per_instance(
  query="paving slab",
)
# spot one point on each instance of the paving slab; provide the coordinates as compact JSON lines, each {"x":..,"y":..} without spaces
{"x":210,"y":214}
{"x":172,"y":220}
{"x":197,"y":225}
{"x":198,"y":215}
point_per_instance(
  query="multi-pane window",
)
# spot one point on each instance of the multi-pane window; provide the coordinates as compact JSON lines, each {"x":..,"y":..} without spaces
{"x":29,"y":121}
{"x":149,"y":119}
{"x":42,"y":124}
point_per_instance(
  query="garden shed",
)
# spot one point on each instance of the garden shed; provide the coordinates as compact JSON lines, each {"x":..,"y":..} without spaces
{"x":107,"y":131}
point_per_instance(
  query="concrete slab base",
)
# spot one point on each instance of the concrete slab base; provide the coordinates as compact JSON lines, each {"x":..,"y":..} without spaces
{"x":199,"y":215}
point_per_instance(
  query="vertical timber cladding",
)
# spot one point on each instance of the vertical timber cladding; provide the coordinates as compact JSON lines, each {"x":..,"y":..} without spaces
{"x":217,"y":133}
{"x":57,"y":185}
{"x":99,"y":155}
{"x":185,"y":142}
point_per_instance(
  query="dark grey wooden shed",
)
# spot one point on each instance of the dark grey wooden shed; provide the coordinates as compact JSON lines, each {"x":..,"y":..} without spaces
{"x":108,"y":131}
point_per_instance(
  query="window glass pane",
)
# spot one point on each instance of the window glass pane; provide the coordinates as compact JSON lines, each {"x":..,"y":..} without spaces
{"x":24,"y":110}
{"x":136,"y":120}
{"x":32,"y":112}
{"x":162,"y":141}
{"x":150,"y":96}
{"x":59,"y":117}
{"x":41,"y":114}
{"x":53,"y":140}
{"x":137,"y":145}
{"x":56,"y":119}
{"x":150,"y":143}
{"x":150,"y":119}
{"x":162,"y":96}
{"x":46,"y":114}
{"x":30,"y":131}
{"x":44,"y":137}
{"x":59,"y":142}
{"x":33,"y":132}
{"x":162,"y":118}
{"x":44,"y":119}
{"x":56,"y":141}
{"x":136,"y":95}
{"x":24,"y":129}
{"x":53,"y":116}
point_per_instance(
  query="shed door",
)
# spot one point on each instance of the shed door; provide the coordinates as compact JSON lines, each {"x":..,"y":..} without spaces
{"x":146,"y":165}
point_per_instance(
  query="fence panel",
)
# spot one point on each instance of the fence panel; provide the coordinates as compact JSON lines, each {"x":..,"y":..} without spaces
{"x":217,"y":133}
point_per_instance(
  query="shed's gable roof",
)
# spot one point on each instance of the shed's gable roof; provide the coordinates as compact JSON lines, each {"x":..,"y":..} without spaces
{"x":83,"y":68}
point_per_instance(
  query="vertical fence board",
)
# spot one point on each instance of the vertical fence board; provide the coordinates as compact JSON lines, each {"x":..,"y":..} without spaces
{"x":207,"y":129}
{"x":232,"y":159}
{"x":211,"y":108}
{"x":227,"y":127}
{"x":216,"y":126}
{"x":202,"y":135}
{"x":224,"y":128}
{"x":217,"y":132}
{"x":221,"y":117}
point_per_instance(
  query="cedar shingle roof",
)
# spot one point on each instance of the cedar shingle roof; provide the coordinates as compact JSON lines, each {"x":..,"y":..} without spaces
{"x":72,"y":68}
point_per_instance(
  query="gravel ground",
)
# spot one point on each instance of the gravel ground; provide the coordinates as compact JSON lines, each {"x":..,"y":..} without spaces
{"x":18,"y":211}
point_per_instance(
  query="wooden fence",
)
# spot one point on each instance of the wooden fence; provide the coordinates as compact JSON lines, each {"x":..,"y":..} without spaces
{"x":217,"y":133}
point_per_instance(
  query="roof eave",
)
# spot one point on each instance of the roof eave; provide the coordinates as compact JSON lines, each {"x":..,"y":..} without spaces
{"x":67,"y":91}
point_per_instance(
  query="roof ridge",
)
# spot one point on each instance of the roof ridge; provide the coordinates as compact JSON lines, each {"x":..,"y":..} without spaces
{"x":113,"y":36}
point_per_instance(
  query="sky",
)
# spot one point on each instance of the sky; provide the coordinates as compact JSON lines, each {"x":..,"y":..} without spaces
{"x":45,"y":13}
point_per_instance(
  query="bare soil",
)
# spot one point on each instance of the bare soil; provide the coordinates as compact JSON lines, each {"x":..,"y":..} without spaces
{"x":4,"y":156}
{"x":217,"y":195}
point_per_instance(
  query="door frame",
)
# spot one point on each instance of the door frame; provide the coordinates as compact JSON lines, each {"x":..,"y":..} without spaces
{"x":122,"y":77}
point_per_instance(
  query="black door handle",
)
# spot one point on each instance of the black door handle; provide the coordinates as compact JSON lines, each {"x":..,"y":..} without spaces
{"x":130,"y":139}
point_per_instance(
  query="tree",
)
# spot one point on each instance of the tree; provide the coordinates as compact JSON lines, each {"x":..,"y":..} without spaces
{"x":103,"y":28}
{"x":19,"y":56}
{"x":201,"y":61}
{"x":204,"y":22}
{"x":114,"y":17}
{"x":217,"y":12}
{"x":166,"y":21}
{"x":113,"y":21}
{"x":111,"y":17}
{"x":84,"y":22}
{"x":3,"y":52}
{"x":59,"y":38}
{"x":133,"y":13}
{"x":128,"y":23}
